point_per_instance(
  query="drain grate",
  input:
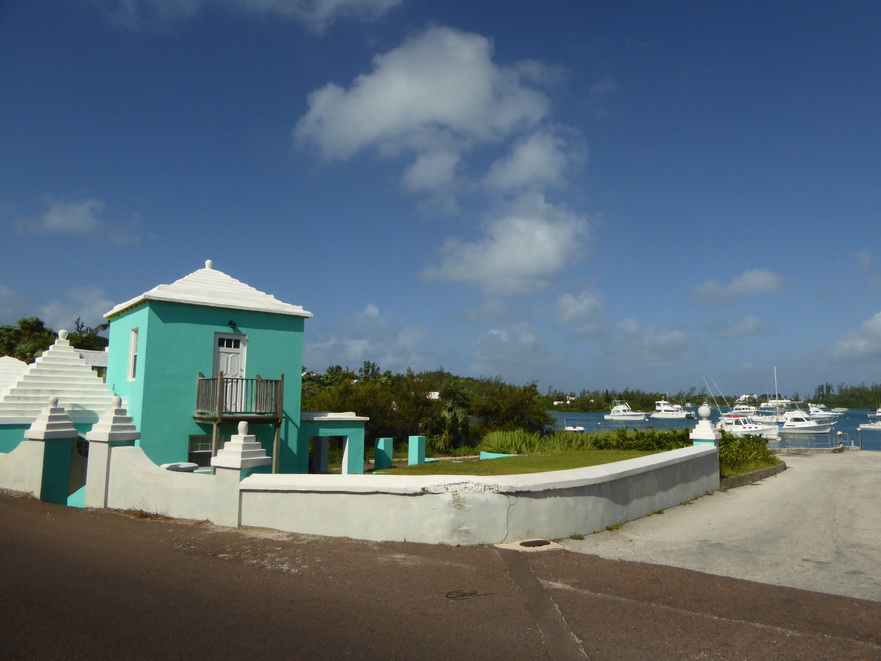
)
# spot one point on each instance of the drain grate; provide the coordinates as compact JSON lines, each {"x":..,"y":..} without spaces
{"x":535,"y":542}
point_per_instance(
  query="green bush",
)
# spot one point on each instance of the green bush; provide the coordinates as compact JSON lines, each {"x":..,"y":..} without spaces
{"x":645,"y":440}
{"x":512,"y":442}
{"x":740,"y":454}
{"x":737,"y":454}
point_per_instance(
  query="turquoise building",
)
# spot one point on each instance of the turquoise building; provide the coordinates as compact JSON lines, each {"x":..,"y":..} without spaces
{"x":194,"y":358}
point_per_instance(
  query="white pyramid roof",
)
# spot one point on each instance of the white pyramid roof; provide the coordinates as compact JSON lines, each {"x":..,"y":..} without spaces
{"x":213,"y":288}
{"x":10,"y":369}
{"x":59,"y":372}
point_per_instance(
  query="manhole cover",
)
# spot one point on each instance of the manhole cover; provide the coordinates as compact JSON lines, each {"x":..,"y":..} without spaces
{"x":535,"y":542}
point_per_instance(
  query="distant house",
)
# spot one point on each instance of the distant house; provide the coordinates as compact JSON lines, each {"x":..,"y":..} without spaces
{"x":193,"y":358}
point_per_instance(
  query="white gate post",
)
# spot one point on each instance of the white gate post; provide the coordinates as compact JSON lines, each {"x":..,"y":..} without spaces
{"x":113,"y":429}
{"x":239,"y":456}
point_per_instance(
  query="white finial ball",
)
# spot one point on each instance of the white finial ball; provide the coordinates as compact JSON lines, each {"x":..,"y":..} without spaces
{"x":243,"y":428}
{"x":704,"y":411}
{"x":62,"y":335}
{"x":53,"y":402}
{"x":117,"y":402}
{"x":209,"y":264}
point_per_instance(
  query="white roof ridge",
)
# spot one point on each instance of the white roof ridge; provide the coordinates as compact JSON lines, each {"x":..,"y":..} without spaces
{"x":210,"y":287}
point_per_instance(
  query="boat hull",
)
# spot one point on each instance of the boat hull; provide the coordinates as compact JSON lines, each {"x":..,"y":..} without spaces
{"x":822,"y":428}
{"x":633,"y":417}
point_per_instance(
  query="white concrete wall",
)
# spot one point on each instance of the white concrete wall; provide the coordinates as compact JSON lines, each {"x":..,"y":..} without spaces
{"x":430,"y":509}
{"x":479,"y":510}
{"x":137,"y":483}
{"x":22,"y":468}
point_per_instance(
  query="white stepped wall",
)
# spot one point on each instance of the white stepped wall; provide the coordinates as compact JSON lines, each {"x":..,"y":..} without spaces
{"x":59,"y":372}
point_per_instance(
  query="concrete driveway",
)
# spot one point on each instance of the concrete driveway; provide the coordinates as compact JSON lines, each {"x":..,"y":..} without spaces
{"x":815,"y":526}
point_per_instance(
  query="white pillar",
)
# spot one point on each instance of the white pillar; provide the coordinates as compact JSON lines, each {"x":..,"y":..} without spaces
{"x":704,"y":433}
{"x":113,"y":429}
{"x":238,"y":457}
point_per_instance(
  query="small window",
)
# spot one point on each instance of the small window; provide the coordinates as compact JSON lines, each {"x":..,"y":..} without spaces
{"x":200,"y":450}
{"x":133,"y":354}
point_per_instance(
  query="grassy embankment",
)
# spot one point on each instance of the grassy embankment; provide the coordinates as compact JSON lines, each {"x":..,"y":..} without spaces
{"x":566,"y":450}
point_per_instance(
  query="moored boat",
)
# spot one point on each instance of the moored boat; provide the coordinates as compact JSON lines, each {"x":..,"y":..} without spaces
{"x":571,"y":424}
{"x":621,"y":411}
{"x":742,"y":425}
{"x":666,"y":410}
{"x":821,"y":414}
{"x":799,"y":422}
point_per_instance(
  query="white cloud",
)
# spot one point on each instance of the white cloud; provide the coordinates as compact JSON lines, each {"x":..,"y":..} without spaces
{"x":80,"y":218}
{"x":865,"y":265}
{"x":369,"y":335}
{"x":516,"y":353}
{"x":521,"y":252}
{"x":653,"y":346}
{"x":860,"y":345}
{"x":8,"y":304}
{"x":436,"y":95}
{"x":494,"y":311}
{"x":748,"y":283}
{"x":315,"y":14}
{"x":748,"y":326}
{"x":540,"y":159}
{"x":583,"y":313}
{"x":431,"y":170}
{"x":599,"y":94}
{"x":88,"y":303}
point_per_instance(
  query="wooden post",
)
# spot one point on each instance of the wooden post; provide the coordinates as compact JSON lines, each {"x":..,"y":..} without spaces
{"x":199,"y":378}
{"x":218,"y":417}
{"x":276,"y":440}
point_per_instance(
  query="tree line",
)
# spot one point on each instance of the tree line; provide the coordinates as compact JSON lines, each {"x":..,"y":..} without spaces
{"x":450,"y":411}
{"x":30,"y":337}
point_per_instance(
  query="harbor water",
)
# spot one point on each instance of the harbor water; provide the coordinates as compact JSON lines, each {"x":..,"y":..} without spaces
{"x":847,"y":424}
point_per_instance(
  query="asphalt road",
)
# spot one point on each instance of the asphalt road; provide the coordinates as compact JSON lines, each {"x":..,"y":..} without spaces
{"x":85,"y":584}
{"x":815,"y":526}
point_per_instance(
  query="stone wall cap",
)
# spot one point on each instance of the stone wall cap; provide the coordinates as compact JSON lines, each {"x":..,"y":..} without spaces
{"x":331,"y":416}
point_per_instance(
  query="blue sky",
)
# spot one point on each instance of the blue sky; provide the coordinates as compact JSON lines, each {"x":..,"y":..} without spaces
{"x":580,"y":193}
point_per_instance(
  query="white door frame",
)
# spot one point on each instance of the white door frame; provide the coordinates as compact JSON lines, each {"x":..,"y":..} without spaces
{"x":230,"y":344}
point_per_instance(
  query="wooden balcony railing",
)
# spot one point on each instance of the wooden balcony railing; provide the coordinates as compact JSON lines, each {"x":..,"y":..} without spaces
{"x":221,"y":397}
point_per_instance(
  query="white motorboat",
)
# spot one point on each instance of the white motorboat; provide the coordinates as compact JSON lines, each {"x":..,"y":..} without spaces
{"x":621,"y":411}
{"x":742,"y":425}
{"x":573,"y":425}
{"x":799,"y":422}
{"x":776,"y":404}
{"x":874,"y":423}
{"x":821,"y":414}
{"x":666,"y":410}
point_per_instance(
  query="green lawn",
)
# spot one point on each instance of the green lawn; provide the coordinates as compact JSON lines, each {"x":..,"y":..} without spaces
{"x":534,"y":463}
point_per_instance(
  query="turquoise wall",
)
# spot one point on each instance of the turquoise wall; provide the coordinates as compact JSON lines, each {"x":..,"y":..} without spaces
{"x":12,"y":435}
{"x":355,"y":439}
{"x":176,"y":342}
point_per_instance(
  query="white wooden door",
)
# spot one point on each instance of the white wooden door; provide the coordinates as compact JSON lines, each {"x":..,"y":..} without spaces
{"x":229,"y":358}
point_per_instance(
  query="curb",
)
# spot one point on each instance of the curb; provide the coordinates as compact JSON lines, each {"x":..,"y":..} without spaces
{"x":750,"y":478}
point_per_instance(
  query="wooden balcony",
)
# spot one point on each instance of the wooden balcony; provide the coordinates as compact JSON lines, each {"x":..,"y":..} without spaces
{"x":225,"y":399}
{"x":222,"y":400}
